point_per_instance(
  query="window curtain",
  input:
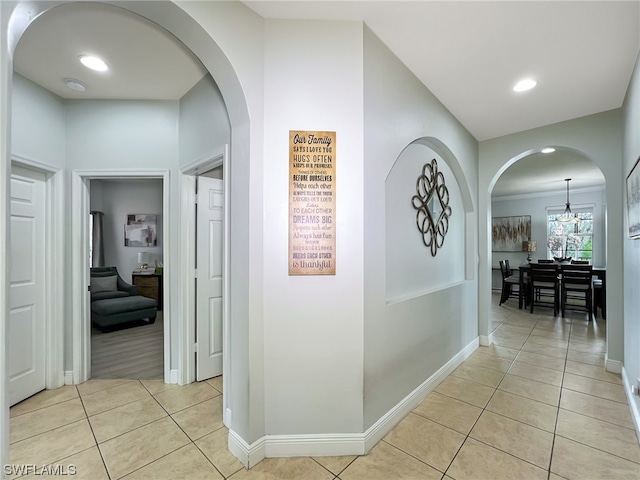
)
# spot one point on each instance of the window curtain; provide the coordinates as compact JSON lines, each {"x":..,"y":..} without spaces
{"x":97,"y":243}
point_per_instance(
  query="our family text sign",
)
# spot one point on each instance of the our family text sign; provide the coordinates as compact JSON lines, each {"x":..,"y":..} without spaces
{"x":312,"y":203}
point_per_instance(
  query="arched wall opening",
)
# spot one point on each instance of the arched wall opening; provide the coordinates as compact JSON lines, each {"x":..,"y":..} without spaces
{"x":537,"y":204}
{"x":547,"y":191}
{"x":14,"y":21}
{"x":598,"y":138}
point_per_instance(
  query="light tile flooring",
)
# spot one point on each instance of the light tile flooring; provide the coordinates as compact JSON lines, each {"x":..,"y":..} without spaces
{"x":537,"y":404}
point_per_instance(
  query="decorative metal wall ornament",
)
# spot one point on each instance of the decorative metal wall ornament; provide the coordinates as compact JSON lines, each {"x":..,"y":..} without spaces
{"x":432,"y":205}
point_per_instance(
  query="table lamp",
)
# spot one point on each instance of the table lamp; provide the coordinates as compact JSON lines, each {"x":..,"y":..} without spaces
{"x":143,"y":259}
{"x":529,"y":246}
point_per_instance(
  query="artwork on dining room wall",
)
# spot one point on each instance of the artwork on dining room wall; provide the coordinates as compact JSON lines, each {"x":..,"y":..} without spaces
{"x":140,"y":230}
{"x":508,"y":233}
{"x":633,"y":201}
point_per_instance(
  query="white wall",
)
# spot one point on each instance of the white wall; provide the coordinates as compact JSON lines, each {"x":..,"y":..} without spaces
{"x":116,"y":199}
{"x":313,"y":324}
{"x":631,"y":264}
{"x":597,"y":137}
{"x":408,"y":341}
{"x":536,"y":206}
{"x":204,"y":125}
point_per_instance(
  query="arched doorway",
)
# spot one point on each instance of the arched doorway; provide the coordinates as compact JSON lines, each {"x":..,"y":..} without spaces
{"x":17,"y":18}
{"x":532,"y":186}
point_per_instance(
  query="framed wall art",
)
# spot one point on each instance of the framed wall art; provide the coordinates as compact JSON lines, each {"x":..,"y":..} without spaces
{"x":633,"y":201}
{"x":508,"y":233}
{"x":140,"y":230}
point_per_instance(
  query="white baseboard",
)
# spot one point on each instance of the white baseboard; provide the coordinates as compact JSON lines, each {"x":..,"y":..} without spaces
{"x":226,"y":419}
{"x":385,"y":424}
{"x":249,"y":455}
{"x":173,"y":376}
{"x":317,"y":445}
{"x":486,"y":340}
{"x":68,"y":377}
{"x":613,"y":366}
{"x":633,"y":400}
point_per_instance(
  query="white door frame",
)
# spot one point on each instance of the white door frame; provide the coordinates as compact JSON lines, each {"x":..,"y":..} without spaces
{"x":188,"y":175}
{"x":81,"y":330}
{"x":54,"y":268}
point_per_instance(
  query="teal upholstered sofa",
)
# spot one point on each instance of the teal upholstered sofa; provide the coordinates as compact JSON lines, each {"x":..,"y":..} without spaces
{"x":107,"y":283}
{"x":114,"y":302}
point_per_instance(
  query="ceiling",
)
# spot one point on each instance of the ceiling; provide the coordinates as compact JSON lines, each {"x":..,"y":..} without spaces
{"x":145,"y":61}
{"x":542,"y":172}
{"x":469,"y":54}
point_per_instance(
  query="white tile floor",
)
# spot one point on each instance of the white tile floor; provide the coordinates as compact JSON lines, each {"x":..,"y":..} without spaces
{"x":536,"y":404}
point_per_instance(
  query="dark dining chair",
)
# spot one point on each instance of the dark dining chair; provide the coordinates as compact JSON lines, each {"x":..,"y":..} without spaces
{"x":545,"y":286}
{"x":509,"y":280}
{"x":579,"y":262}
{"x":577,"y":288}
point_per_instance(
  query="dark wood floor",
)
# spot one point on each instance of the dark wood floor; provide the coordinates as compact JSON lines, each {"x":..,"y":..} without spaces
{"x":135,"y":353}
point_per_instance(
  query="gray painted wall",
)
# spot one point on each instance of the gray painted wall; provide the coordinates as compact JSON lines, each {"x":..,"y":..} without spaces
{"x":114,"y":134}
{"x":631,"y":263}
{"x":110,"y":135}
{"x":408,"y":341}
{"x":39,"y":124}
{"x":597,"y":137}
{"x":536,"y":207}
{"x":116,"y":199}
{"x":204,"y":125}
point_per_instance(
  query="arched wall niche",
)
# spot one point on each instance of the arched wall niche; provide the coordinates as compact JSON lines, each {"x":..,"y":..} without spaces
{"x":406,"y":256}
{"x":447,"y":155}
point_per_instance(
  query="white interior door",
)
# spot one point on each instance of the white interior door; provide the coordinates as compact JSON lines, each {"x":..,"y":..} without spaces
{"x":209,"y":285}
{"x":26,"y":294}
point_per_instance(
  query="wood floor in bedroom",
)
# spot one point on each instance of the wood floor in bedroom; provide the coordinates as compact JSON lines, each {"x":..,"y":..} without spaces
{"x":133,"y":353}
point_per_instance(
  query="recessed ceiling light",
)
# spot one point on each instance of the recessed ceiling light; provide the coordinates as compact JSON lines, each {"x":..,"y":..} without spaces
{"x":524,"y":85}
{"x":94,"y":63}
{"x":75,"y":85}
{"x":548,"y":150}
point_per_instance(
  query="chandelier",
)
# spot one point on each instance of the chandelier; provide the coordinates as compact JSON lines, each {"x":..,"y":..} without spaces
{"x":567,"y":215}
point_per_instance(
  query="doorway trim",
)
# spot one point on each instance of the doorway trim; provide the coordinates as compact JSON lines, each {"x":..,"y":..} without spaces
{"x":189,"y":172}
{"x":54,"y":267}
{"x":81,"y":326}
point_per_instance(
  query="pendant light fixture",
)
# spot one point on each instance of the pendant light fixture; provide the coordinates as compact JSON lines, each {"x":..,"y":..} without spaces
{"x":567,"y":216}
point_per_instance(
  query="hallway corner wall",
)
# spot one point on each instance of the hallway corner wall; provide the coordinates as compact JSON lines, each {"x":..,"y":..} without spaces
{"x":407,"y":341}
{"x":631,"y":264}
{"x":313,"y":323}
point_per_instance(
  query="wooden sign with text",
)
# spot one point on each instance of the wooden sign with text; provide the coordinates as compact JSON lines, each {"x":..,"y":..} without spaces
{"x":312,"y":203}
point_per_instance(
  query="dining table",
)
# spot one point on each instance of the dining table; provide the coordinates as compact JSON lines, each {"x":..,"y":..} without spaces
{"x":599,"y":273}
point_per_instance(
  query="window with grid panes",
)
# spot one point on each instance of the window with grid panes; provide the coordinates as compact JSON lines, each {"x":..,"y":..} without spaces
{"x":570,"y":239}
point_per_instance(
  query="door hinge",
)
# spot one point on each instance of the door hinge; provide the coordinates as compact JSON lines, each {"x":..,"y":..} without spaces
{"x":195,"y":347}
{"x":195,"y":199}
{"x":195,"y":273}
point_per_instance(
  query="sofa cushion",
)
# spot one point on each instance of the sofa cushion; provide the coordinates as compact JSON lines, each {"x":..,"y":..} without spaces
{"x":115,"y":306}
{"x":104,"y":284}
